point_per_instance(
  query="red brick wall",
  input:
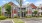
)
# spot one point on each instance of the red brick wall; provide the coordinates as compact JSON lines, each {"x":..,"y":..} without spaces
{"x":14,"y":11}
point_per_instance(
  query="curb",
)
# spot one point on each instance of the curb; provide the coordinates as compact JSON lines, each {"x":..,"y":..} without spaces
{"x":12,"y":21}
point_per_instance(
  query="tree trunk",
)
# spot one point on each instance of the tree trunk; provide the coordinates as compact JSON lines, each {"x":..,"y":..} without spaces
{"x":20,"y":12}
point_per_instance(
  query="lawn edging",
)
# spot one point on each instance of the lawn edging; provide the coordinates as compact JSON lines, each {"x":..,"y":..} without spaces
{"x":13,"y":21}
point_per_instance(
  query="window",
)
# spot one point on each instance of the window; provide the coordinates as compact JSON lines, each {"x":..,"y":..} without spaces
{"x":33,"y":10}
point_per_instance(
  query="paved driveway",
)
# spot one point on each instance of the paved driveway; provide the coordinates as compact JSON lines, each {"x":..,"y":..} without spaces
{"x":6,"y":21}
{"x":33,"y":20}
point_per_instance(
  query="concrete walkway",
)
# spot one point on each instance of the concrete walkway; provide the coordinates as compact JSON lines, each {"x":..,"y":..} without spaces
{"x":6,"y":21}
{"x":32,"y":20}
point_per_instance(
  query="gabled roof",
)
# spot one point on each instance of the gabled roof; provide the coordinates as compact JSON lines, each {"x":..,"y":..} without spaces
{"x":33,"y":6}
{"x":11,"y":3}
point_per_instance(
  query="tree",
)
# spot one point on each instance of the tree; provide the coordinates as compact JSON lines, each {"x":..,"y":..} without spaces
{"x":20,"y":3}
{"x":0,"y":10}
{"x":35,"y":12}
{"x":8,"y":8}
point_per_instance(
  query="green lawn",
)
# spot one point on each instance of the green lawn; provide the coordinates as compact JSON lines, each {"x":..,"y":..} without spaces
{"x":18,"y":21}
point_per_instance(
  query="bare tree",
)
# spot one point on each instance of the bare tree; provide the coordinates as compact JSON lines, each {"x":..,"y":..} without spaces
{"x":20,"y":2}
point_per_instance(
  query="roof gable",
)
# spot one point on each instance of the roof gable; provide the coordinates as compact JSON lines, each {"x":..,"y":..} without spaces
{"x":33,"y":6}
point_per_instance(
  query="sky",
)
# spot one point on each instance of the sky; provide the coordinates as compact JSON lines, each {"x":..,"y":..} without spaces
{"x":35,"y":2}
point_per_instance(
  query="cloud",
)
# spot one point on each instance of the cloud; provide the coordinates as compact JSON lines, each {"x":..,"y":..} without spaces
{"x":25,"y":3}
{"x":38,"y":2}
{"x":5,"y":1}
{"x":24,"y":0}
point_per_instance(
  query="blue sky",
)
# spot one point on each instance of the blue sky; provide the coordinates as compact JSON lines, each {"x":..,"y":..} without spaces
{"x":36,"y":2}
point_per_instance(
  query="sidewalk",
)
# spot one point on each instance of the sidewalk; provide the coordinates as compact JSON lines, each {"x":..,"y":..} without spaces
{"x":6,"y":21}
{"x":32,"y":20}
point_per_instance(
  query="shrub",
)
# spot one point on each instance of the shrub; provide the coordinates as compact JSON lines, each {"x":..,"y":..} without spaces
{"x":35,"y":12}
{"x":2,"y":17}
{"x":40,"y":16}
{"x":16,"y":16}
{"x":28,"y":16}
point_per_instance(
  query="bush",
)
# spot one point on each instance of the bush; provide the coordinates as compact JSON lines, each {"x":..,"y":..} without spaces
{"x":16,"y":16}
{"x":28,"y":16}
{"x":2,"y":17}
{"x":40,"y":15}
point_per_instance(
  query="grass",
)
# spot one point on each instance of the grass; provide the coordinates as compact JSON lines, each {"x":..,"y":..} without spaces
{"x":18,"y":21}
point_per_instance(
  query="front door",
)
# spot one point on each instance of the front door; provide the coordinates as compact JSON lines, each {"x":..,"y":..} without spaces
{"x":41,"y":13}
{"x":23,"y":14}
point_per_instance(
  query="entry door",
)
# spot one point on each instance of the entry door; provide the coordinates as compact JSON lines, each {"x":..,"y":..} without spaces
{"x":41,"y":13}
{"x":23,"y":14}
